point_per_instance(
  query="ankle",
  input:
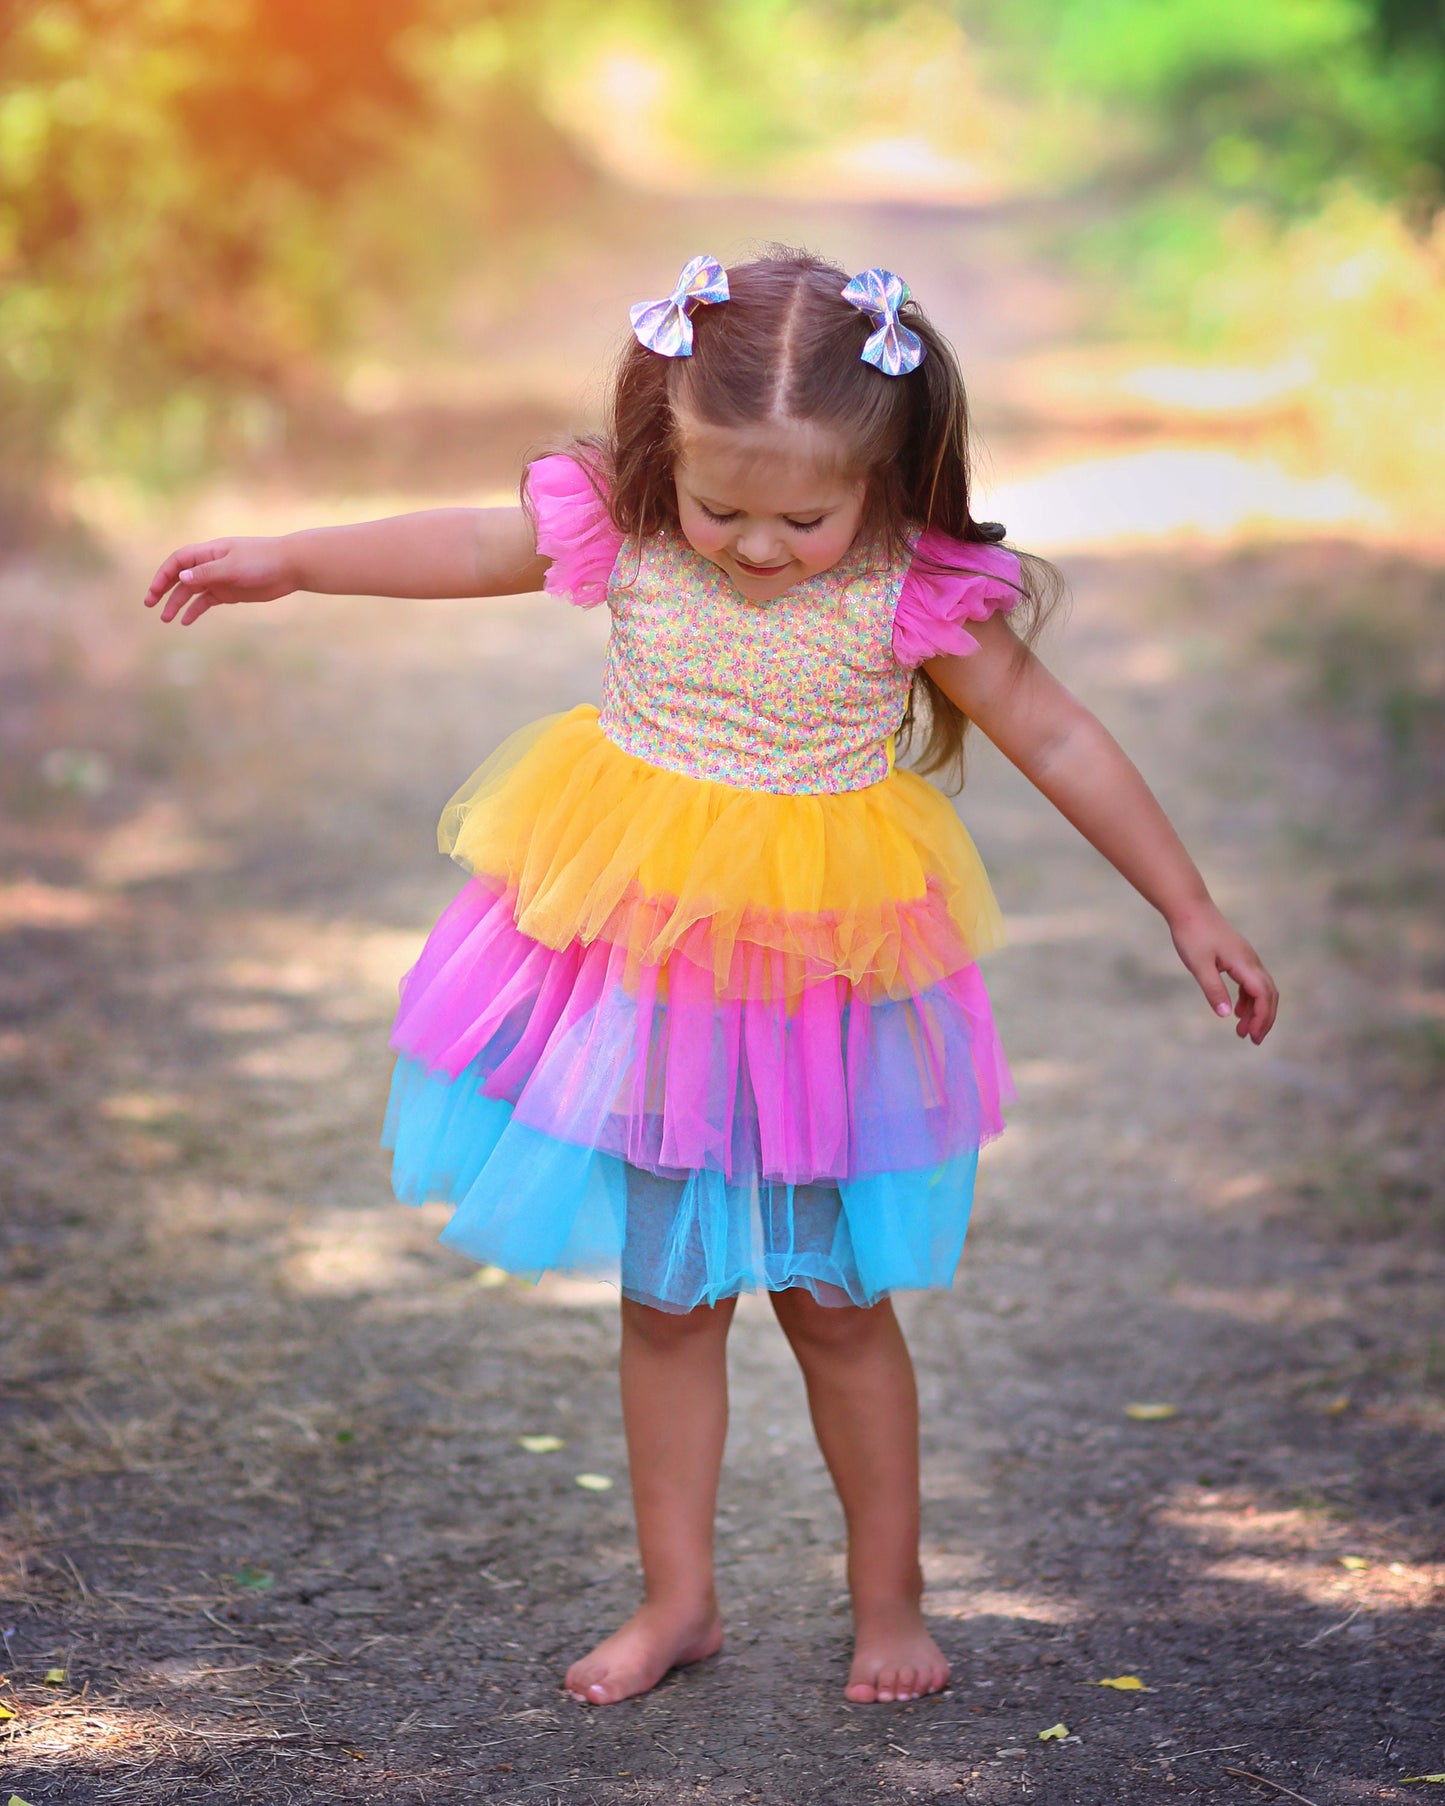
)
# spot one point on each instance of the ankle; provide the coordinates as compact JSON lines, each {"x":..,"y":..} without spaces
{"x":876,"y":1597}
{"x":684,"y":1601}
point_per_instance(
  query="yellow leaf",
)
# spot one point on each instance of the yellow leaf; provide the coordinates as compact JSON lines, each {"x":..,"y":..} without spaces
{"x":1056,"y":1733}
{"x":1125,"y":1683}
{"x":54,"y":1677}
{"x":1150,"y":1413}
{"x":5,"y":1712}
{"x":540,"y":1445}
{"x":1409,"y":1778}
{"x":594,"y":1482}
{"x":487,"y":1277}
{"x":15,"y":1800}
{"x":1353,"y":1562}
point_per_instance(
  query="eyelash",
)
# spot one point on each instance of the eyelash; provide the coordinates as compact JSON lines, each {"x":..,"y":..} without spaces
{"x":798,"y":526}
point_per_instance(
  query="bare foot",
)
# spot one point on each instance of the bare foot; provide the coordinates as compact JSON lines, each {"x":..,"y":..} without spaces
{"x":894,"y":1658}
{"x":632,"y":1660}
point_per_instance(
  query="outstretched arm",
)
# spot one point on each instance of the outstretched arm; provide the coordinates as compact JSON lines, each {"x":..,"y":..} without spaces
{"x":1068,"y":754}
{"x":437,"y":552}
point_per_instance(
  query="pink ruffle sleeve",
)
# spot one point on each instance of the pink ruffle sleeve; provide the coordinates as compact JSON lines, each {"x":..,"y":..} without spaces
{"x":574,"y":530}
{"x":935,"y":600}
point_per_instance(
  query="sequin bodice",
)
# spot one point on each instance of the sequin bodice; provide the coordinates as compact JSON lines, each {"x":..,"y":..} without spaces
{"x":802,"y":694}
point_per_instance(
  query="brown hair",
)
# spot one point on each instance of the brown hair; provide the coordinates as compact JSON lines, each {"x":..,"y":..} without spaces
{"x":787,"y":345}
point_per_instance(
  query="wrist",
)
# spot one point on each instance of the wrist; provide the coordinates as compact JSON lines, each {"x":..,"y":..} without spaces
{"x":1187,"y":912}
{"x":293,"y":565}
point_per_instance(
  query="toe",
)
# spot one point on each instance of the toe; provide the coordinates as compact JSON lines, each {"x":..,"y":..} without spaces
{"x":907,"y":1684}
{"x":862,"y":1693}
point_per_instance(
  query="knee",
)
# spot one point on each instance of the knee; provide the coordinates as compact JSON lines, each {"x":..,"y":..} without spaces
{"x":667,"y":1331}
{"x":829,"y":1331}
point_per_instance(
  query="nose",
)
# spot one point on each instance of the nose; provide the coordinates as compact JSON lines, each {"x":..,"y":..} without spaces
{"x":759,"y":544}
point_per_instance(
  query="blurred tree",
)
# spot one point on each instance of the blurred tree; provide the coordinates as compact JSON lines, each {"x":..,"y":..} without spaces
{"x":198,"y":196}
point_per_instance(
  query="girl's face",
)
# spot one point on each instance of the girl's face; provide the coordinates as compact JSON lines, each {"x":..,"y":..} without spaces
{"x":769,"y":505}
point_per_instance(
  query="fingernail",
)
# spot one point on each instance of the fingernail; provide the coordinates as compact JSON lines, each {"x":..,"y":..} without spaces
{"x":1221,"y":1009}
{"x":186,"y":576}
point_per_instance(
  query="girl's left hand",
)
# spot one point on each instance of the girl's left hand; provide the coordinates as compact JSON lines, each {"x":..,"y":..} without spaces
{"x":1212,"y":948}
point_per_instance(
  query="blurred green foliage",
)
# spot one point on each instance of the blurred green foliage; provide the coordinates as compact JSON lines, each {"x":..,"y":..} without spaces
{"x":1273,"y":99}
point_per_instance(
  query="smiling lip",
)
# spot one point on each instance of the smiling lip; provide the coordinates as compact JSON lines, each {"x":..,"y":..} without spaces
{"x":759,"y":570}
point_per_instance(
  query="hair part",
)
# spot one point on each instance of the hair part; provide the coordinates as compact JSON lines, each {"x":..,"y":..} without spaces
{"x":787,"y":346}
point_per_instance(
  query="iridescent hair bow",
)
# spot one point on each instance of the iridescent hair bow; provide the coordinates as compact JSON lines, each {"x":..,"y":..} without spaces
{"x":893,"y":348}
{"x":663,"y":326}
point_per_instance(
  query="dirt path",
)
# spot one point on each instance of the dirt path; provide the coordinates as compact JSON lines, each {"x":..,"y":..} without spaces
{"x":264,"y":1502}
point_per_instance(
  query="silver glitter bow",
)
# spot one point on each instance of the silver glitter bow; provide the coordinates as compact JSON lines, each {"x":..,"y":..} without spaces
{"x":663,"y":326}
{"x":893,"y":348}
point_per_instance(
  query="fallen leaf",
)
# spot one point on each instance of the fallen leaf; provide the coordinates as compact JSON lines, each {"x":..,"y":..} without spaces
{"x":259,"y":1580}
{"x":54,"y":1677}
{"x":1338,"y":1406}
{"x":15,"y":1800}
{"x":487,"y":1277}
{"x":594,"y":1482}
{"x":1150,"y":1413}
{"x":1353,"y":1562}
{"x":1056,"y":1733}
{"x":541,"y":1445}
{"x":1406,"y":1779}
{"x":1125,"y":1683}
{"x":5,"y":1712}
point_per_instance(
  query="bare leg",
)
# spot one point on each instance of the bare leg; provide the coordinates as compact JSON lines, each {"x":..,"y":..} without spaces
{"x":675,"y":1409}
{"x":864,"y":1403}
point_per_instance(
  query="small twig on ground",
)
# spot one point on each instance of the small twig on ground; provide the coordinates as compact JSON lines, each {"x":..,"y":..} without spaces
{"x":1265,"y":1781}
{"x":1214,"y":1749}
{"x":1330,"y":1630}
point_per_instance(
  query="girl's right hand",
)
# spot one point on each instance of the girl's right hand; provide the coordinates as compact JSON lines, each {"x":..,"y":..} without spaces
{"x":221,"y":570}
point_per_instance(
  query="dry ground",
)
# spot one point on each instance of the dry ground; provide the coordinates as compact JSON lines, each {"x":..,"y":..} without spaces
{"x":264,"y":1504}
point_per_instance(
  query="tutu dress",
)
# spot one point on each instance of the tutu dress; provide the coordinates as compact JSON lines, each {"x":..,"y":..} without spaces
{"x":707,"y":1015}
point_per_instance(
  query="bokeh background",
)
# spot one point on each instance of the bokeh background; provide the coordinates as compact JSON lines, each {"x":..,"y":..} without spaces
{"x":267,"y":1529}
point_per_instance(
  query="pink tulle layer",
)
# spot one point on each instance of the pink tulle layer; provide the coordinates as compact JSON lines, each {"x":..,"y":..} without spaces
{"x":655,"y":1067}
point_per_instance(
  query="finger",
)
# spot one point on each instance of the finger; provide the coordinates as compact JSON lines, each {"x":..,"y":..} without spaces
{"x":180,"y":560}
{"x":1260,"y":999}
{"x":177,"y":600}
{"x":1208,"y":978}
{"x":200,"y":602}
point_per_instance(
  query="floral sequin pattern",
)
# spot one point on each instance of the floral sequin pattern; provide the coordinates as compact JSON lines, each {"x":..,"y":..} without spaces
{"x":799,"y":695}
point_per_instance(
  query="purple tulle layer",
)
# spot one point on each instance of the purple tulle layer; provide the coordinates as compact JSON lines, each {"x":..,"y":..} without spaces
{"x":655,"y":1069}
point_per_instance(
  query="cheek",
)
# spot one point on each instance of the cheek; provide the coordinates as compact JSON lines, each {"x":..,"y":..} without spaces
{"x":706,"y":537}
{"x":824,"y":548}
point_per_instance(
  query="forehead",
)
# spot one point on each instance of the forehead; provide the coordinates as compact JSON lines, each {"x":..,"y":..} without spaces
{"x":779,"y":467}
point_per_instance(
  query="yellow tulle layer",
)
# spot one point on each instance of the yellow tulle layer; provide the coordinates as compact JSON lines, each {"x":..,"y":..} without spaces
{"x":771,"y":892}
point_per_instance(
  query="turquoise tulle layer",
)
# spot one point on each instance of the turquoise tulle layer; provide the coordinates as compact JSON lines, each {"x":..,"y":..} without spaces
{"x":671,"y":1241}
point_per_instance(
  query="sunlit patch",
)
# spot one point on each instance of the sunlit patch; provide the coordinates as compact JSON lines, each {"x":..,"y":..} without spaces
{"x":1262,"y":1304}
{"x":1215,"y":388}
{"x":1045,"y":928}
{"x":1242,"y":1187}
{"x":344,"y":1251}
{"x":250,"y":1018}
{"x":1298,"y":1553}
{"x":298,"y":1058}
{"x":572,"y":1294}
{"x":1175,"y":492}
{"x":159,"y":842}
{"x":1017,"y":1605}
{"x":1035,"y":1075}
{"x":31,"y":904}
{"x":142,"y":1106}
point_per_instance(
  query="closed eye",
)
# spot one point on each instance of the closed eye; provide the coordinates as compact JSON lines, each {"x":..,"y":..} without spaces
{"x":712,"y":514}
{"x":805,"y":526}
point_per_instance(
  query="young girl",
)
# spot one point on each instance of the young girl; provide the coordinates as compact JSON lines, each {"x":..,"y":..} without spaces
{"x":707,"y":1016}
